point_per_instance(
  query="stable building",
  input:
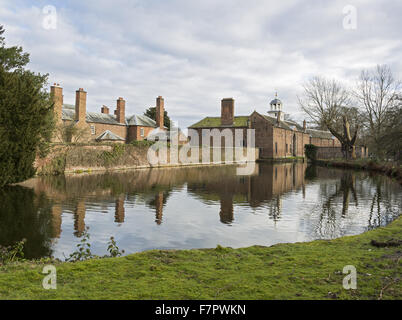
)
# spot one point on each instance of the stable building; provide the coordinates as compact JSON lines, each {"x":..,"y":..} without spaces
{"x":275,"y":136}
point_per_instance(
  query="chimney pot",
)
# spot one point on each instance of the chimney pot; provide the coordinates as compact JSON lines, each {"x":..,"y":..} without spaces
{"x":227,"y":111}
{"x":160,"y":112}
{"x":57,"y":95}
{"x":121,"y":110}
{"x":80,"y":105}
{"x":105,"y":110}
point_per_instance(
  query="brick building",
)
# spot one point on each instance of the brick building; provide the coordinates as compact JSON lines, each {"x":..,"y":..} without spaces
{"x":104,"y":126}
{"x":274,"y":136}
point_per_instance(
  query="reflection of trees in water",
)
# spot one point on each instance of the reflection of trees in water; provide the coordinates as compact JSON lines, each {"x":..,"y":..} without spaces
{"x":311,"y":172}
{"x":337,"y":198}
{"x":23,"y":214}
{"x":338,"y":190}
{"x":329,"y":223}
{"x":382,"y":211}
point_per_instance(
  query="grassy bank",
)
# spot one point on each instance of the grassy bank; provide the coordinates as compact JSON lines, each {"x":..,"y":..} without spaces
{"x":393,"y":170}
{"x":310,"y":270}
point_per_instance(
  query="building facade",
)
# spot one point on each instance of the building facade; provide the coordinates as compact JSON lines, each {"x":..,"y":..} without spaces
{"x":104,"y":126}
{"x":274,"y":136}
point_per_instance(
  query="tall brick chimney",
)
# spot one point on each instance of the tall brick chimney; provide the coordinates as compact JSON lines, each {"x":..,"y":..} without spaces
{"x":80,"y":105}
{"x":105,"y":110}
{"x":304,"y":125}
{"x":160,"y":112}
{"x":121,"y":110}
{"x":57,"y":96}
{"x":227,"y":111}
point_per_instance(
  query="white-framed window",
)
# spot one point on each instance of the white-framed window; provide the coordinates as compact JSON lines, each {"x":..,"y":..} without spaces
{"x":93,"y":130}
{"x":142,"y":133}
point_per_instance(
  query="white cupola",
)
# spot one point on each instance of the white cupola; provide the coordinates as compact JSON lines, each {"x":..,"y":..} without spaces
{"x":275,"y":108}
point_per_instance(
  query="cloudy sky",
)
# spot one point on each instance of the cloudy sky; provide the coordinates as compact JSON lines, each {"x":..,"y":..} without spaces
{"x":194,"y":53}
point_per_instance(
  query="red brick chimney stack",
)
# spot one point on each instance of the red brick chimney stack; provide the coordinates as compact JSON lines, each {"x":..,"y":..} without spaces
{"x":304,"y":125}
{"x":80,"y":105}
{"x":121,"y":111}
{"x":105,"y":110}
{"x":57,"y":96}
{"x":227,"y":111}
{"x":160,"y":112}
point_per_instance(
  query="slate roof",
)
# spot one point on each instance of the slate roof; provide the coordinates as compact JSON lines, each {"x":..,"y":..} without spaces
{"x":140,"y":120}
{"x":276,"y":101}
{"x":68,"y":113}
{"x":109,"y":136}
{"x":214,"y":122}
{"x":285,"y":124}
{"x":319,"y":134}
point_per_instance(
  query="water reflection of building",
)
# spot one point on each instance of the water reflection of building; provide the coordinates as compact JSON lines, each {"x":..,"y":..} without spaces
{"x":79,"y":218}
{"x":159,"y":198}
{"x":262,"y":189}
{"x":226,"y":212}
{"x":119,"y":209}
{"x":56,"y":220}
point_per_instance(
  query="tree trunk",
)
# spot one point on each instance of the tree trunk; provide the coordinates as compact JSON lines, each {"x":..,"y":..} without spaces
{"x":347,"y":142}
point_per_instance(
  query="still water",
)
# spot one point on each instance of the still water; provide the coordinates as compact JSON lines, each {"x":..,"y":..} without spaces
{"x":181,"y":208}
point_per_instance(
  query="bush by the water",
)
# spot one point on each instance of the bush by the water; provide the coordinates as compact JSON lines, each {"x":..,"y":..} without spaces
{"x":310,"y":151}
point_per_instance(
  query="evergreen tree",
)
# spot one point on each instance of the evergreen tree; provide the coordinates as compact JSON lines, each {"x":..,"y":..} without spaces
{"x":26,"y":115}
{"x":151,"y":113}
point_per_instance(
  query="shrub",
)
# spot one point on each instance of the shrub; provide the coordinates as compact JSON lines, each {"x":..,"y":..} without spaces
{"x":143,"y":143}
{"x":12,"y":253}
{"x":113,"y":249}
{"x":310,"y":151}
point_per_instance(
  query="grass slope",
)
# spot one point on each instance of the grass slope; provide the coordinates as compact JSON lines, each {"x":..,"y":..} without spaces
{"x":310,"y":270}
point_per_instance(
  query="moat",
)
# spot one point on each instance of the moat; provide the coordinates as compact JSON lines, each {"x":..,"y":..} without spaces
{"x":183,"y":208}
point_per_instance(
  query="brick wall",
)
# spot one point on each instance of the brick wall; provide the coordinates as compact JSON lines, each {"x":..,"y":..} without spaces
{"x":336,"y":152}
{"x":134,"y":133}
{"x":200,"y":136}
{"x":263,"y":136}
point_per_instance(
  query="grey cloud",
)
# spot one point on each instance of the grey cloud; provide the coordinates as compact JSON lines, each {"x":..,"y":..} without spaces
{"x":194,"y":54}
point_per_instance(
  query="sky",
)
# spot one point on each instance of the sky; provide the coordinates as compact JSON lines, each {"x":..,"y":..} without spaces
{"x":194,"y":53}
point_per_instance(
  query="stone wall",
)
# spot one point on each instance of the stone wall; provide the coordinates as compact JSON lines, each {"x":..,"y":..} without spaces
{"x":100,"y":157}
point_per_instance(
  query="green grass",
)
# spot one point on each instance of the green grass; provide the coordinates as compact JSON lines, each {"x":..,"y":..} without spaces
{"x":285,"y":271}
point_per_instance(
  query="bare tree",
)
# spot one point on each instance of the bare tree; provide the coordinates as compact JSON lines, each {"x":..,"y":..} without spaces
{"x":377,"y":93}
{"x":326,"y":102}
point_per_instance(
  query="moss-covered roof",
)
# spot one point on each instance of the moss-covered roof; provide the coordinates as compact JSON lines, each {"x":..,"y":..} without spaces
{"x":214,"y":122}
